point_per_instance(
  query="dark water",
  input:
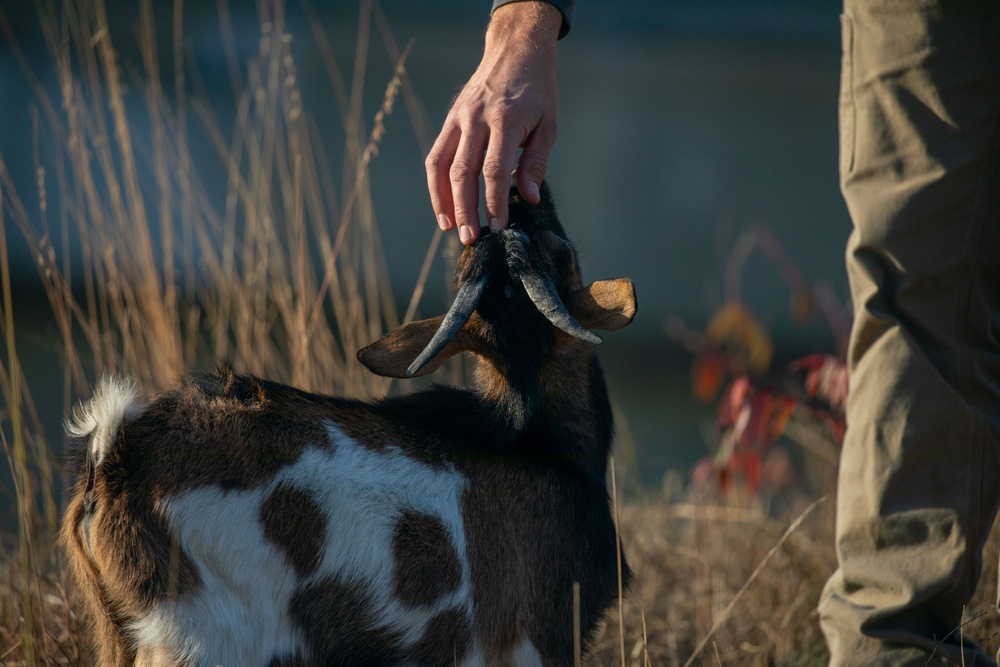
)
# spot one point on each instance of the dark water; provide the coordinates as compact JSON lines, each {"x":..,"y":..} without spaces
{"x":681,"y":125}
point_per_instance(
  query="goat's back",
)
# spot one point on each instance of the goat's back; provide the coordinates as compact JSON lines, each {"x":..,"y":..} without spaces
{"x":238,"y":522}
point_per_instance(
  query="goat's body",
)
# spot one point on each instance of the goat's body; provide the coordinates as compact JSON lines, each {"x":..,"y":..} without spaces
{"x":243,"y":523}
{"x":343,"y":542}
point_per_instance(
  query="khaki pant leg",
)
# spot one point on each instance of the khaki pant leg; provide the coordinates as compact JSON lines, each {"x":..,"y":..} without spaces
{"x":920,"y":468}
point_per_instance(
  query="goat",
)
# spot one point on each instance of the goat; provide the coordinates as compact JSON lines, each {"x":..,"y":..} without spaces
{"x":239,"y":522}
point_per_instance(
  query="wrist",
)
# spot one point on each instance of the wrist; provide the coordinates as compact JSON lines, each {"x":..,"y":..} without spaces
{"x":526,"y":22}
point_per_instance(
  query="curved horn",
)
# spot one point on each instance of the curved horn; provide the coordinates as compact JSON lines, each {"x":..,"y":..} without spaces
{"x":459,"y":313}
{"x":544,"y":295}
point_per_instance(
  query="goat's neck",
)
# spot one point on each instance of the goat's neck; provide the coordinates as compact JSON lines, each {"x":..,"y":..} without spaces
{"x":564,"y":402}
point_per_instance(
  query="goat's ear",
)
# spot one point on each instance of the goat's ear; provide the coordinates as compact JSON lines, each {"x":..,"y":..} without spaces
{"x":606,"y":304}
{"x":392,"y":354}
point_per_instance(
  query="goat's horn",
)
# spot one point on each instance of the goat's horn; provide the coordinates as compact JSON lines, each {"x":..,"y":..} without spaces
{"x":456,"y":317}
{"x":544,"y":295}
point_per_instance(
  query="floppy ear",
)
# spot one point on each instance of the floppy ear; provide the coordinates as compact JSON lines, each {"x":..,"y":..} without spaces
{"x":605,"y":304}
{"x":392,"y":354}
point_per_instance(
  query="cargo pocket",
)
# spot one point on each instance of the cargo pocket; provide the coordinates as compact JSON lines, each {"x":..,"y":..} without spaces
{"x":847,"y":111}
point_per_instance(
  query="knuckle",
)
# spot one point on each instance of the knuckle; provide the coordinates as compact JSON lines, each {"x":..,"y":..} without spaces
{"x":461,"y":170}
{"x":433,"y":161}
{"x":495,"y":170}
{"x":466,"y":215}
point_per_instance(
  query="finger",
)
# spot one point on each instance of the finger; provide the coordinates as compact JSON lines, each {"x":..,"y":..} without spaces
{"x":501,"y":156}
{"x":437,"y":164}
{"x":464,"y":176}
{"x":534,"y":162}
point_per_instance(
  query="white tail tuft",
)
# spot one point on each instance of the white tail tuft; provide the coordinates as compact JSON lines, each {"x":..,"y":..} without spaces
{"x":115,"y":399}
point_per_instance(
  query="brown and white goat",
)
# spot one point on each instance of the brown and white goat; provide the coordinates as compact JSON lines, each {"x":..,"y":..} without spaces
{"x":239,"y":522}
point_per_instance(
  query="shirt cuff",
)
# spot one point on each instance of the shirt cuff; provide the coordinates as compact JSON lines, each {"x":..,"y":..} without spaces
{"x":565,"y":7}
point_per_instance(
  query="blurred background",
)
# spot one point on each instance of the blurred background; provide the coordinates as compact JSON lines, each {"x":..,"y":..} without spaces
{"x":684,"y":124}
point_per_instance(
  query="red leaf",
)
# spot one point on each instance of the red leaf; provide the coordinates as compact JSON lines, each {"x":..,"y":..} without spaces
{"x":732,"y":400}
{"x":709,"y":370}
{"x":746,"y":464}
{"x":741,"y":390}
{"x":780,"y":419}
{"x":722,"y":475}
{"x":808,"y":362}
{"x":761,"y":408}
{"x":826,"y":378}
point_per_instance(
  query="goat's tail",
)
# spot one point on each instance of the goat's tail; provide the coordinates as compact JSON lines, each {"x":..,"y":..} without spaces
{"x":96,"y":421}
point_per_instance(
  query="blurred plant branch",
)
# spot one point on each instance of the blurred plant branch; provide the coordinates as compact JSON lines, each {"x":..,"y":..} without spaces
{"x":759,"y":400}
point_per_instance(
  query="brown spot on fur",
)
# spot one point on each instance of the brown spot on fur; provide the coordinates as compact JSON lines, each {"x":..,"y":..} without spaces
{"x":339,"y":625}
{"x":426,"y":565}
{"x":446,"y":640}
{"x":294,"y":522}
{"x":237,"y":432}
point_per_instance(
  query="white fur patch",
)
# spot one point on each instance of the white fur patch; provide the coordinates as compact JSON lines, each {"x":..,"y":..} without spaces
{"x":115,"y":400}
{"x":240,"y":614}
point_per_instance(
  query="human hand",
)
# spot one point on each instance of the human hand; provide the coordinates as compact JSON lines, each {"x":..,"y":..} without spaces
{"x":510,"y":102}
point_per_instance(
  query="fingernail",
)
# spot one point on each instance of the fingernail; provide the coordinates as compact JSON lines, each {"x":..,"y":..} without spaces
{"x":533,"y":188}
{"x":465,"y":233}
{"x":494,"y":224}
{"x":443,"y":222}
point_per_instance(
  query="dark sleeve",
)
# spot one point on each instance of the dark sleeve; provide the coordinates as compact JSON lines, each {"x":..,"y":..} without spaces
{"x":564,"y":6}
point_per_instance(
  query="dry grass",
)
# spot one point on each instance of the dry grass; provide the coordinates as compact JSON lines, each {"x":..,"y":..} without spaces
{"x":286,"y":278}
{"x":744,"y":574}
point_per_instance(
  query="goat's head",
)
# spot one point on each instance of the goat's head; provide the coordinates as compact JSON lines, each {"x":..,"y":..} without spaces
{"x":521,"y":306}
